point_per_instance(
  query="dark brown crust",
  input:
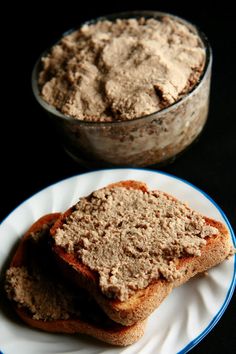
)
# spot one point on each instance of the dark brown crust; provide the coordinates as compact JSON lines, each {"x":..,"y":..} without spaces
{"x":145,"y":301}
{"x":117,"y":335}
{"x":120,"y":336}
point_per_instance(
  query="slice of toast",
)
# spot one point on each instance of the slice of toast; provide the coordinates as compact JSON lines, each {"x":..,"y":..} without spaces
{"x":34,"y":255}
{"x":143,"y":301}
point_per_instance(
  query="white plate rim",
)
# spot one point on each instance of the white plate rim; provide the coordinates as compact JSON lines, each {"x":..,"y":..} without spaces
{"x":232,"y":286}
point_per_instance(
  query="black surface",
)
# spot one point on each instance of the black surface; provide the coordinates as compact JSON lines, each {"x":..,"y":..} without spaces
{"x":32,"y":158}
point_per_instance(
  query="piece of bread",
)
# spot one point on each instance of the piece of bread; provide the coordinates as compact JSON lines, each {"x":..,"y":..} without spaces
{"x":144,"y":301}
{"x":35,"y":252}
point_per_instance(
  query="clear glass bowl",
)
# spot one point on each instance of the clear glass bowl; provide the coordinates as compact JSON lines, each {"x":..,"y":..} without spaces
{"x":153,"y":139}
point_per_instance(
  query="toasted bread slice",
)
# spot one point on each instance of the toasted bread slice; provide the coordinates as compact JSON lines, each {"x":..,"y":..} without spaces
{"x":34,"y":252}
{"x":144,"y":301}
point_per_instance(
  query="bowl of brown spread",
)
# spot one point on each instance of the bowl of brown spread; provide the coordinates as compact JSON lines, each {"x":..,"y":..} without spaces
{"x":129,"y":89}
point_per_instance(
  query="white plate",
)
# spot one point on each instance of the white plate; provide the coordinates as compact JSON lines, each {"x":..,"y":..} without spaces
{"x":181,"y":321}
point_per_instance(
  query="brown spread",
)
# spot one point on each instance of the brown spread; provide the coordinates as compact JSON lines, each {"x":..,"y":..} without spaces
{"x":121,"y":70}
{"x":46,"y":300}
{"x":35,"y":285}
{"x":131,"y":237}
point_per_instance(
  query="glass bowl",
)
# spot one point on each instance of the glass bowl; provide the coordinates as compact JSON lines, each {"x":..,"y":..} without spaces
{"x":153,"y":139}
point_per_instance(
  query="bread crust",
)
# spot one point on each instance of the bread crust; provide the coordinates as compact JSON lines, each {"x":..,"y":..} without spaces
{"x":144,"y":301}
{"x":116,"y":334}
{"x":120,"y":335}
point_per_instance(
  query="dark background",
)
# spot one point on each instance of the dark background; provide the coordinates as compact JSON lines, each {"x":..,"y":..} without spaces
{"x":31,"y":155}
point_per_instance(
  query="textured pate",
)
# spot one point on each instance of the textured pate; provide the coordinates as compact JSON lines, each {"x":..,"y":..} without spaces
{"x":131,"y":237}
{"x":34,"y":286}
{"x":121,"y":70}
{"x":46,"y":300}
